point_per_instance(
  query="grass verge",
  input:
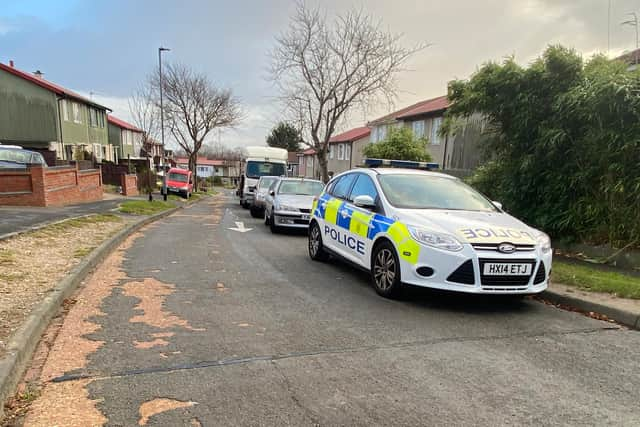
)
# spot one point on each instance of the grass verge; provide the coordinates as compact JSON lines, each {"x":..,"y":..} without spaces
{"x":594,"y":280}
{"x":145,"y":207}
{"x":32,"y":263}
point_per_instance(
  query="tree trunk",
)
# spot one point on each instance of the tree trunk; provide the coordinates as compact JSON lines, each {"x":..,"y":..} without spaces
{"x":322,"y":162}
{"x":193,"y":162}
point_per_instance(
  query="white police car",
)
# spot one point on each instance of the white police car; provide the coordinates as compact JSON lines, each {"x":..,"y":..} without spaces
{"x":427,"y":229}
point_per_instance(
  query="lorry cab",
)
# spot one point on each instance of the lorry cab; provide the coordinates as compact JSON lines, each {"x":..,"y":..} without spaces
{"x":180,"y":181}
{"x":260,"y":161}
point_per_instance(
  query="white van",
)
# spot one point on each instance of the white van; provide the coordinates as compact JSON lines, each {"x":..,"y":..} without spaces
{"x":260,"y":161}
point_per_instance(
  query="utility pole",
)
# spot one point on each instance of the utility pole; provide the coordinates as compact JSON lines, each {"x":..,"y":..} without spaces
{"x":164,"y":168}
{"x":609,"y":29}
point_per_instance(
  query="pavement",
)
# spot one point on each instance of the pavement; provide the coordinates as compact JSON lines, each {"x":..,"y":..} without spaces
{"x":22,"y":218}
{"x":192,"y":323}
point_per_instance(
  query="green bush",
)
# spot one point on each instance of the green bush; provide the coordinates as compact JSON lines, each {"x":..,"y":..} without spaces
{"x":400,"y":144}
{"x":217,"y":180}
{"x":565,"y":143}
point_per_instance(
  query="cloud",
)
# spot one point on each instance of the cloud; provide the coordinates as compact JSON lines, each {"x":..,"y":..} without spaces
{"x":109,"y":47}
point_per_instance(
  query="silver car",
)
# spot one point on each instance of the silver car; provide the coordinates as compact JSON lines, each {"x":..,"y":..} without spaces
{"x":289,"y":202}
{"x":262,"y":191}
{"x":14,"y":157}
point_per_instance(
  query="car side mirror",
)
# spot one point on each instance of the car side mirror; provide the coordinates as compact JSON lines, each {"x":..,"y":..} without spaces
{"x":497,"y":204}
{"x":364,"y":201}
{"x":272,"y":193}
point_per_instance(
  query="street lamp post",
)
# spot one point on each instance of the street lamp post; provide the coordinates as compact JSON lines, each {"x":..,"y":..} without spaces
{"x":164,"y":174}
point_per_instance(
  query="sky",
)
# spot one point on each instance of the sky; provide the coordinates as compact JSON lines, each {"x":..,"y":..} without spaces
{"x":105,"y":49}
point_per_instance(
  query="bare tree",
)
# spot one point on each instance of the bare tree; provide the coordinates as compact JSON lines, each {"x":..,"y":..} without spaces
{"x":193,"y":107}
{"x":323,"y":69}
{"x":143,"y":106}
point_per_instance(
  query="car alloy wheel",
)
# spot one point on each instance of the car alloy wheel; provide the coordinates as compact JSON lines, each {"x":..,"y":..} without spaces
{"x":316,"y":248}
{"x":385,"y":270}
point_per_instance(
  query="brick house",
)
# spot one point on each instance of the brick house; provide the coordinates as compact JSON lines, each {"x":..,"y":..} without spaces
{"x":345,"y":150}
{"x":125,"y":137}
{"x":42,"y":116}
{"x":459,"y":154}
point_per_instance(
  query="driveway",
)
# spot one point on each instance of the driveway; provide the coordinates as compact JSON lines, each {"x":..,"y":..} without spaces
{"x":18,"y":218}
{"x":193,"y":323}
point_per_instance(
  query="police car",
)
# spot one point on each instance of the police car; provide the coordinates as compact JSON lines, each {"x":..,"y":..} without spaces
{"x":426,"y":229}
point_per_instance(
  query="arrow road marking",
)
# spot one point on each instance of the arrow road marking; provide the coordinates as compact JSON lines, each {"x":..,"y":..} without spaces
{"x":240,"y":227}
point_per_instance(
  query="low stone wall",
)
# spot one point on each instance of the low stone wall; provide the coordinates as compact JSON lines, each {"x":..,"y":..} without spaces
{"x":129,"y":184}
{"x":57,"y":186}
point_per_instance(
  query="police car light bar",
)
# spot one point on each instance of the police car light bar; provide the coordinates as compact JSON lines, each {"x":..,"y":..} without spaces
{"x":374,"y":163}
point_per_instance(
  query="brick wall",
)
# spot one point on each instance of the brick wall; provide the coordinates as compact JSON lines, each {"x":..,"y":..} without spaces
{"x":129,"y":184}
{"x":57,"y":186}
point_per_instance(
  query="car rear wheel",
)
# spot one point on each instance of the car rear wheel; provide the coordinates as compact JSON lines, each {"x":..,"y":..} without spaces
{"x":385,"y":270}
{"x":316,"y":248}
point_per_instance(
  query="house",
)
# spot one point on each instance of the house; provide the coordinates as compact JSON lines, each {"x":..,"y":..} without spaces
{"x":157,"y":154}
{"x":308,"y":164}
{"x":293,"y":168}
{"x":125,"y":137}
{"x":43,"y":116}
{"x":345,"y":150}
{"x":206,"y":168}
{"x":632,"y":59}
{"x":459,"y":153}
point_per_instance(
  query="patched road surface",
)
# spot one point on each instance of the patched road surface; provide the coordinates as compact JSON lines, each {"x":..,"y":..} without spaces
{"x":192,"y":323}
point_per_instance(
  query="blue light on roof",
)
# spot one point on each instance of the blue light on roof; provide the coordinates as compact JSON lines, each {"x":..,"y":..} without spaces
{"x":408,"y":164}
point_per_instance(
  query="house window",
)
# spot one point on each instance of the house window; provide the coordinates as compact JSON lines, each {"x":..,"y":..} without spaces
{"x":331,"y":150}
{"x":382,"y":133}
{"x":93,"y":117}
{"x":418,"y":128}
{"x":435,"y":129}
{"x":76,"y":112}
{"x":65,"y":109}
{"x":310,"y":162}
{"x":340,"y":151}
{"x":347,"y":151}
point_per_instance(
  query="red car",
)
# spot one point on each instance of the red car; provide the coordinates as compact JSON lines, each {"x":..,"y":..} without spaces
{"x":180,"y":181}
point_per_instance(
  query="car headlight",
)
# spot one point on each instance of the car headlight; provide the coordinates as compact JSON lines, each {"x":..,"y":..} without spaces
{"x":544,"y":241}
{"x":436,"y":240}
{"x":287,"y":208}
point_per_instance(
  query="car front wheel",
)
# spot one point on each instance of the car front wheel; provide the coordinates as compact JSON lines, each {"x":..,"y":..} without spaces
{"x":316,"y":249}
{"x":272,"y":225}
{"x":385,"y":270}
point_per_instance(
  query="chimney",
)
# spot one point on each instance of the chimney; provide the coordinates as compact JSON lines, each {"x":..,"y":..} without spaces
{"x":11,"y":63}
{"x":38,"y":74}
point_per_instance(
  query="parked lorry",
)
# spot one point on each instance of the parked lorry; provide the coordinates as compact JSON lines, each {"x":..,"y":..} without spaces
{"x":259,"y":161}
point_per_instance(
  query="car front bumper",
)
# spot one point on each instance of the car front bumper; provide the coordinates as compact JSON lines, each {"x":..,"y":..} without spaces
{"x":292,"y":219}
{"x":462,"y":271}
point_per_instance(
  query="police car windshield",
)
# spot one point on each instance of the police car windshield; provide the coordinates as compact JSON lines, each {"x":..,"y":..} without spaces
{"x":412,"y":191}
{"x":301,"y":188}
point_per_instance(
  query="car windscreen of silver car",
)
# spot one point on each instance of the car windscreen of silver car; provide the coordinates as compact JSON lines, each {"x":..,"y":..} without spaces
{"x":303,"y":188}
{"x":412,"y":191}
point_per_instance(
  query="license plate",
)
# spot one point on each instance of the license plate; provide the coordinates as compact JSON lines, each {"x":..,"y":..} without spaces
{"x":306,"y":217}
{"x":506,"y":269}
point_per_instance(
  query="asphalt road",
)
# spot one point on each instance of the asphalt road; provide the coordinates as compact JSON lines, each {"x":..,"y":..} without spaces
{"x":262,"y":335}
{"x":20,"y":218}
